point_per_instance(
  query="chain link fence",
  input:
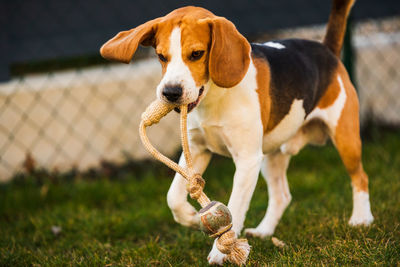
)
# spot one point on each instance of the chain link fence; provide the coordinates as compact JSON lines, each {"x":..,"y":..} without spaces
{"x":78,"y":117}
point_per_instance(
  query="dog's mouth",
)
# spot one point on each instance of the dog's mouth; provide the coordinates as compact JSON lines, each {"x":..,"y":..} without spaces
{"x":193,"y":104}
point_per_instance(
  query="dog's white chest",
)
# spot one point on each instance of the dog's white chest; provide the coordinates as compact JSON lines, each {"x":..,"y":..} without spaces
{"x":228,"y":121}
{"x":216,"y":141}
{"x":209,"y":136}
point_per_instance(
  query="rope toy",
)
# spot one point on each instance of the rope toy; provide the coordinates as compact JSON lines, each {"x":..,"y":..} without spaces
{"x":215,"y":217}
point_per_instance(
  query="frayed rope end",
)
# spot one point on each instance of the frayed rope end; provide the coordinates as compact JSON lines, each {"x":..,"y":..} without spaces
{"x":237,"y":250}
{"x":240,"y":252}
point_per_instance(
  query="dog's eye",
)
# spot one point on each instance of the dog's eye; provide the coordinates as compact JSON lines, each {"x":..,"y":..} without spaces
{"x":162,"y":58}
{"x":196,"y":55}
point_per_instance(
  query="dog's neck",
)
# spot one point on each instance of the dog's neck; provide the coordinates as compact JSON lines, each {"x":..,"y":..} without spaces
{"x":219,"y":102}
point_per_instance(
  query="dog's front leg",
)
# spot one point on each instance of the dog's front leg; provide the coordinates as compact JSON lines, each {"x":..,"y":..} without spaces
{"x":183,"y":212}
{"x":244,"y":183}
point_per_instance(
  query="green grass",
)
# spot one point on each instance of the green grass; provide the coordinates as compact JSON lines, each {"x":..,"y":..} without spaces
{"x":126,"y":221}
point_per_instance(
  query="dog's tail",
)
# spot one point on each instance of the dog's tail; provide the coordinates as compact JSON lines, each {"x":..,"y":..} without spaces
{"x":337,"y":25}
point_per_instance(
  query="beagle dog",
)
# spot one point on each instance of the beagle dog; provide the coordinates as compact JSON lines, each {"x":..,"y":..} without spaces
{"x":257,"y":103}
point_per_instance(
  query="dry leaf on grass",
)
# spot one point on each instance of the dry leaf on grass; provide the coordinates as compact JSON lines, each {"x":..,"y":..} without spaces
{"x":278,"y":243}
{"x":56,"y":230}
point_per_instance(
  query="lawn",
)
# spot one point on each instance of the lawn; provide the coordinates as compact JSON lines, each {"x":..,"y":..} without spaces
{"x":125,"y":221}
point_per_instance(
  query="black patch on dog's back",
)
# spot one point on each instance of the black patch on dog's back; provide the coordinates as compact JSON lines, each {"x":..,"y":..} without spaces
{"x":301,"y":70}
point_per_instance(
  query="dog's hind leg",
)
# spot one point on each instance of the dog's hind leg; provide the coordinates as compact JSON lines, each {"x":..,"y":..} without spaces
{"x":183,"y":212}
{"x":274,"y":171}
{"x":346,"y":138}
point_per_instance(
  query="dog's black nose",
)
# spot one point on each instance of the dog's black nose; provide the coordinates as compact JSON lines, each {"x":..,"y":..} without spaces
{"x":172,"y":93}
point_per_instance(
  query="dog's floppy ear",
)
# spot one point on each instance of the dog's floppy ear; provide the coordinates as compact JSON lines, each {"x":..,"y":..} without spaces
{"x":229,"y":53}
{"x":123,"y":46}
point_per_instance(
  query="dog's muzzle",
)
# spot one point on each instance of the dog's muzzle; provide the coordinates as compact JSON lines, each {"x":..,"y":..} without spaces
{"x":172,"y":92}
{"x":193,"y":104}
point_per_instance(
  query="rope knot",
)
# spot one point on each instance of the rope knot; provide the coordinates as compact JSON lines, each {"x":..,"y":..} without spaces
{"x":226,"y":242}
{"x":195,"y":186}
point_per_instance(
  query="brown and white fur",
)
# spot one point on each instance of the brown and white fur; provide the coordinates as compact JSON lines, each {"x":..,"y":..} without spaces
{"x":246,"y":104}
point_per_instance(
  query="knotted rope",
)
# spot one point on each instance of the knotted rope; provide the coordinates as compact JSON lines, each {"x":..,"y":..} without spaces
{"x":215,"y":218}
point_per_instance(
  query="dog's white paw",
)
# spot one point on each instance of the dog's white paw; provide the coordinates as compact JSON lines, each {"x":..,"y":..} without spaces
{"x":361,"y":210}
{"x":256,"y":232}
{"x":216,"y":257}
{"x":361,"y":219}
{"x":186,"y":215}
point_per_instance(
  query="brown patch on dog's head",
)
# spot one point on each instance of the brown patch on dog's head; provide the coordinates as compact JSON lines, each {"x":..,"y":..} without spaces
{"x":194,"y":38}
{"x":195,"y":41}
{"x":211,"y":46}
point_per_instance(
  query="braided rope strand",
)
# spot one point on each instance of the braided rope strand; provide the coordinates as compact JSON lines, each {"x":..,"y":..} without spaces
{"x":196,"y":182}
{"x":184,"y":138}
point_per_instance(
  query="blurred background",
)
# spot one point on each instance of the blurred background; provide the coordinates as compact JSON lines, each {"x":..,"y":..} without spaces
{"x":78,"y":189}
{"x":63,"y":108}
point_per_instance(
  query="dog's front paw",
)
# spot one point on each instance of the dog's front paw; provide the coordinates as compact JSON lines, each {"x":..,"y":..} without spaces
{"x":216,"y":257}
{"x":256,"y":232}
{"x":186,"y":215}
